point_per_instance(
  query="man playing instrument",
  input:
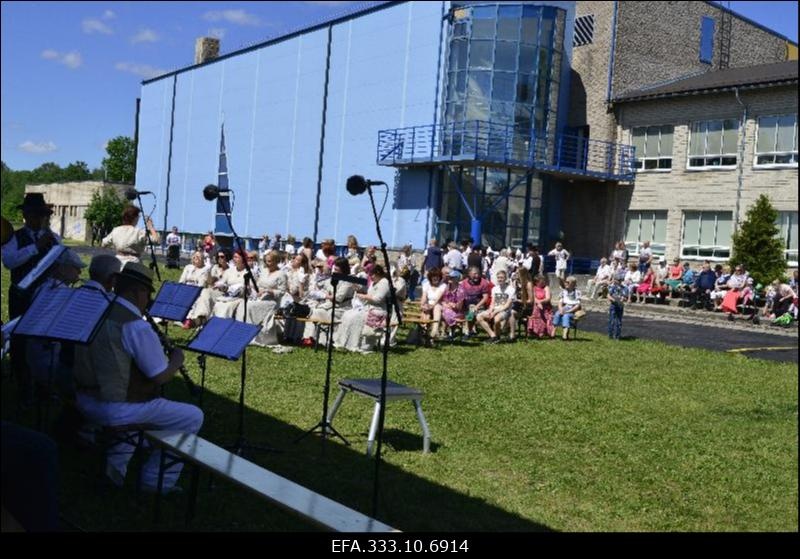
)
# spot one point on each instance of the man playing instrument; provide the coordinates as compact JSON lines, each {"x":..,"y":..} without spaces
{"x":118,"y":376}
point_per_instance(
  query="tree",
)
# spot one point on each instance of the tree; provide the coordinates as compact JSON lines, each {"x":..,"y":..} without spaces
{"x":46,"y":173}
{"x":757,"y":246}
{"x":12,"y":185}
{"x":121,"y":161}
{"x":105,"y":209}
{"x":78,"y":171}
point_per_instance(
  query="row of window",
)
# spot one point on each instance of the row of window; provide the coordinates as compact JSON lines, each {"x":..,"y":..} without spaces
{"x":713,"y":144}
{"x":706,"y":235}
{"x":71,"y":211}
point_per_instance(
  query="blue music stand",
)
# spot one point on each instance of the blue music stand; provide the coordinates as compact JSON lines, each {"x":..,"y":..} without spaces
{"x":227,"y":338}
{"x":174,"y":301}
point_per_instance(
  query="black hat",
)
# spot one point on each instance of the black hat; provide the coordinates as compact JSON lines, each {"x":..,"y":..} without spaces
{"x":137,"y":272}
{"x":34,"y":203}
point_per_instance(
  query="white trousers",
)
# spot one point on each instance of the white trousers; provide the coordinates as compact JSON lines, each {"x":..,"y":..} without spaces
{"x":162,"y":413}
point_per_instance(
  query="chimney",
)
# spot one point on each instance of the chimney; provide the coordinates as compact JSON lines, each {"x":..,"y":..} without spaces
{"x":205,"y":49}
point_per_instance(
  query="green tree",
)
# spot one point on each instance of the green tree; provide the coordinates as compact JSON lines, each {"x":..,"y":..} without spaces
{"x":12,"y":185}
{"x":105,"y":209}
{"x":78,"y":171}
{"x":46,"y":173}
{"x":121,"y":161}
{"x":757,"y":245}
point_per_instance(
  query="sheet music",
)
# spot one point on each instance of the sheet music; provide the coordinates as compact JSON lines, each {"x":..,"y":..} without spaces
{"x":64,"y":314}
{"x":224,"y":337}
{"x":9,"y":326}
{"x":42,"y":266}
{"x":174,"y":300}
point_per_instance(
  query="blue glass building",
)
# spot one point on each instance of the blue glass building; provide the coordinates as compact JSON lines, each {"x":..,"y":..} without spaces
{"x":459,"y":106}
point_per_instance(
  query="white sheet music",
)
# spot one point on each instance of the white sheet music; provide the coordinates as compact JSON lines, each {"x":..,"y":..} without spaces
{"x":43,"y":265}
{"x":64,"y":314}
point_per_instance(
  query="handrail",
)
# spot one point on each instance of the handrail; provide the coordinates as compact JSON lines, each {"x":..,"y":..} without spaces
{"x":505,"y":144}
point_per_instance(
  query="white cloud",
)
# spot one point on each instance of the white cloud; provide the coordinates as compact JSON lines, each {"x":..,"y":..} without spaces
{"x":239,"y":17}
{"x":96,"y":26}
{"x":42,"y":147}
{"x":217,"y":32}
{"x":71,"y":60}
{"x":144,"y":70}
{"x":145,"y":36}
{"x":108,"y":14}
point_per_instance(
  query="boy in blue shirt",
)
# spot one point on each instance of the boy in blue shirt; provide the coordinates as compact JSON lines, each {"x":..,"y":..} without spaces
{"x":617,"y":294}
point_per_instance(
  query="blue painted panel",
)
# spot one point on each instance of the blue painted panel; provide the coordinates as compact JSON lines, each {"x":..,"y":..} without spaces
{"x":154,"y":118}
{"x":706,"y":39}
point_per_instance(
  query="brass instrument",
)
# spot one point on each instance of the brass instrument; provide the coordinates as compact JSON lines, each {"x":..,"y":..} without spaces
{"x":169,"y":346}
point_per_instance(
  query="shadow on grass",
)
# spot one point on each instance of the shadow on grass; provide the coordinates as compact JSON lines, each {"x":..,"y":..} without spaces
{"x":344,"y":474}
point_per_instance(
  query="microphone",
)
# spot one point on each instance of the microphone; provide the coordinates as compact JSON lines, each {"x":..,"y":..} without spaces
{"x":358,"y":185}
{"x":131,"y":194}
{"x":211,"y":192}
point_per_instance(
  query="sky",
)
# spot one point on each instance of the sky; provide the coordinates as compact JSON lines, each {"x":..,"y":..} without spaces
{"x":71,"y":71}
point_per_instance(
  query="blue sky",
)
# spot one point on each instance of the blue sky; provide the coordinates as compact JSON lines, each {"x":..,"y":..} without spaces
{"x":71,"y":71}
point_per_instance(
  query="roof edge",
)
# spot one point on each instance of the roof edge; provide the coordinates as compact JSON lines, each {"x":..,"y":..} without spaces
{"x":751,"y":22}
{"x":707,"y":90}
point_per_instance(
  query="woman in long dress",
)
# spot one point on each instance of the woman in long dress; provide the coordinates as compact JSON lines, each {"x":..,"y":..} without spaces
{"x":195,"y":273}
{"x":272,"y":286}
{"x":232,"y":284}
{"x":360,"y":326}
{"x":344,"y":299}
{"x":540,"y":324}
{"x":204,"y":305}
{"x":127,"y":239}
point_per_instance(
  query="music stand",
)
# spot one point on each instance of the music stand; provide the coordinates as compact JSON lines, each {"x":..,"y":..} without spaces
{"x":324,"y":425}
{"x":173,"y":302}
{"x":41,"y":268}
{"x":228,"y":338}
{"x":64,"y":315}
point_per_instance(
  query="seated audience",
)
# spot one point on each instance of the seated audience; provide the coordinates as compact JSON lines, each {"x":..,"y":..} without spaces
{"x":569,"y":303}
{"x":500,"y":314}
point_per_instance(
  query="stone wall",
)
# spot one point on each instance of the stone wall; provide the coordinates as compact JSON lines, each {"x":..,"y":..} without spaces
{"x":70,"y":201}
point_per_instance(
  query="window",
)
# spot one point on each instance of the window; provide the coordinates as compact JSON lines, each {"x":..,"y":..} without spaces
{"x":653,"y":147}
{"x":706,"y":39}
{"x":787,"y":223}
{"x":713,"y":144}
{"x":646,"y":225}
{"x":777,"y":141}
{"x":707,"y":235}
{"x":584,"y":31}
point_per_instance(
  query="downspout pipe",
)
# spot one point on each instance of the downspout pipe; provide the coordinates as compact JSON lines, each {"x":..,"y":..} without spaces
{"x":740,"y":182}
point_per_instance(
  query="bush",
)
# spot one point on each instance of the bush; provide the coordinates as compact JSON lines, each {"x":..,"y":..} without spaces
{"x":756,"y":244}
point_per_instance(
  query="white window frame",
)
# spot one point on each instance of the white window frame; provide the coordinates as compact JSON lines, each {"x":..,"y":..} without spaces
{"x":790,"y":255}
{"x":706,"y":167}
{"x":756,"y":153}
{"x":639,"y":162}
{"x":658,"y":249}
{"x":718,"y":253}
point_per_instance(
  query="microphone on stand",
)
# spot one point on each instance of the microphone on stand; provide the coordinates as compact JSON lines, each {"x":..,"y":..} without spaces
{"x":132,"y":194}
{"x":358,"y":185}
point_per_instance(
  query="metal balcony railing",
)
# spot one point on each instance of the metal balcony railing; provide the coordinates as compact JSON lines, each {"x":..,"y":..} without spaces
{"x":500,"y":144}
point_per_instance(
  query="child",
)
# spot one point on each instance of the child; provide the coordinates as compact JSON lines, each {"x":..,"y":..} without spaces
{"x":617,"y":294}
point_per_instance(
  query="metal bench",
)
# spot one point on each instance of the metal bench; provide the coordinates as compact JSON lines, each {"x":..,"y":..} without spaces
{"x":288,"y":495}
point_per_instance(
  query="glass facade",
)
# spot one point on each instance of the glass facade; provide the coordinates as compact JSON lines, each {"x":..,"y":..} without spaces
{"x":503,"y":70}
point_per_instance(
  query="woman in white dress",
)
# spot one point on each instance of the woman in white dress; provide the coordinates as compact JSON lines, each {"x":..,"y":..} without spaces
{"x":298,"y":276}
{"x":358,"y":331}
{"x":344,"y":299}
{"x":231,"y":285}
{"x":272,"y":286}
{"x":432,"y":294}
{"x":127,"y":240}
{"x":204,"y":305}
{"x":195,"y":273}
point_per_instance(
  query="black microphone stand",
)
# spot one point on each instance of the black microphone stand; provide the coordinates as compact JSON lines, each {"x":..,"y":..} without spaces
{"x":153,"y":261}
{"x":324,"y":424}
{"x":241,"y":444}
{"x":385,"y":350}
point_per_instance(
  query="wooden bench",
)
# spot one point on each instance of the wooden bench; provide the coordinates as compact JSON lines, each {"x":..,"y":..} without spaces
{"x":319,"y":325}
{"x":288,"y":495}
{"x":424,"y":324}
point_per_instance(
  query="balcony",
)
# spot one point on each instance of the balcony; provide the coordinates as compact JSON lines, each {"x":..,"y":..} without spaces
{"x":499,"y":145}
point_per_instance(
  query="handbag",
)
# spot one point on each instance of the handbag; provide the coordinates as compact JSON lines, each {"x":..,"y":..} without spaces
{"x":579,"y":314}
{"x":297,"y":310}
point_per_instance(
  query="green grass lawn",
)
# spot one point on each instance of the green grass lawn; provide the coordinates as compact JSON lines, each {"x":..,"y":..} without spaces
{"x":580,"y":436}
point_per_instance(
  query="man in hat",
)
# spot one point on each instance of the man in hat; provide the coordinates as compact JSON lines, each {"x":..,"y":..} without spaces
{"x":118,"y":374}
{"x":27,"y":246}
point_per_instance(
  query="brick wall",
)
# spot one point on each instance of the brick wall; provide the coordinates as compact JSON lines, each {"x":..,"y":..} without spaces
{"x":681,"y":189}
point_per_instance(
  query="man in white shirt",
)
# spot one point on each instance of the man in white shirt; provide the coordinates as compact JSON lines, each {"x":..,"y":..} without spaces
{"x":453,"y":260}
{"x":119,"y":374}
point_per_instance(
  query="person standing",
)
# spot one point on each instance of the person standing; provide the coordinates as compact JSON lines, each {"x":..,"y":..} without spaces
{"x":433,"y":257}
{"x":645,"y":257}
{"x":173,"y":248}
{"x":128,"y":240}
{"x":562,"y":256}
{"x":617,"y":294}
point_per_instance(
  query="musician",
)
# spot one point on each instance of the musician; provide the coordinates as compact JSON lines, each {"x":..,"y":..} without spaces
{"x":119,"y":373}
{"x":27,"y":246}
{"x":127,"y":239}
{"x":102,"y":270}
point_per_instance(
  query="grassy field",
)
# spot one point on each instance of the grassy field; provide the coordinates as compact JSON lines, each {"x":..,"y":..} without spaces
{"x":581,"y":436}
